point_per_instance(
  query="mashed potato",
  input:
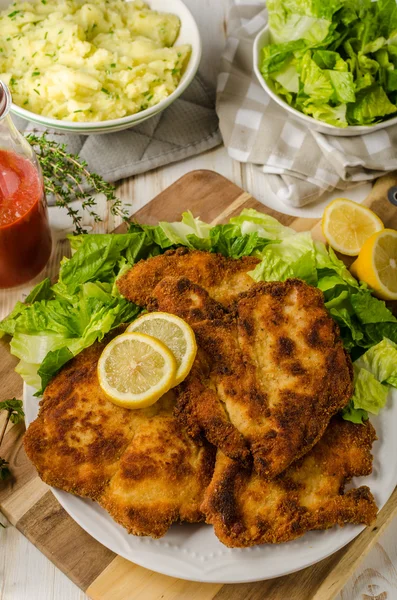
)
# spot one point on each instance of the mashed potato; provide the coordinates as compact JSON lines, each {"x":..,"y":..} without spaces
{"x":89,"y":61}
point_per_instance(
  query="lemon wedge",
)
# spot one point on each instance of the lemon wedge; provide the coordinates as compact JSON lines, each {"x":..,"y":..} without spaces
{"x":175,"y":333}
{"x":347,"y":226}
{"x":135,"y":370}
{"x":376,"y":264}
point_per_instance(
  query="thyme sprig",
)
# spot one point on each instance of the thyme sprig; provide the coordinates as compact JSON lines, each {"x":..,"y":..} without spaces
{"x":15,"y":415}
{"x":67,"y":178}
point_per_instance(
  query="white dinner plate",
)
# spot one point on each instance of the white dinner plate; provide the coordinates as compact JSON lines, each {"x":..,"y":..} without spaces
{"x":193,"y":552}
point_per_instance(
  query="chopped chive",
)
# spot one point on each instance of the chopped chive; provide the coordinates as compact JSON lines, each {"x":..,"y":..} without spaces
{"x":34,"y":54}
{"x":46,"y":35}
{"x":13,"y":14}
{"x":129,"y":68}
{"x":113,"y":65}
{"x":35,"y":73}
{"x":105,"y":91}
{"x":37,"y":91}
{"x":26,"y":102}
{"x":76,"y":111}
{"x":44,"y":1}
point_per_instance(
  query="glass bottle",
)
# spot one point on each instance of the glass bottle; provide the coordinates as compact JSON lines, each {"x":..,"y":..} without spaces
{"x":25,"y":236}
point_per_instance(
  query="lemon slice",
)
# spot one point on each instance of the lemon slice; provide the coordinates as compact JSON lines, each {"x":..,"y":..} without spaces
{"x":175,"y":333}
{"x":377,"y":264}
{"x":347,"y":225}
{"x":135,"y":370}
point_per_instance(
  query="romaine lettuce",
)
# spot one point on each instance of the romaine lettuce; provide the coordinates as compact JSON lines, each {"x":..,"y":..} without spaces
{"x":334,"y":60}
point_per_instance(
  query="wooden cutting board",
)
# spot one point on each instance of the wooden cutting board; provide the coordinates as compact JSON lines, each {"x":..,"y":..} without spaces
{"x":29,"y":504}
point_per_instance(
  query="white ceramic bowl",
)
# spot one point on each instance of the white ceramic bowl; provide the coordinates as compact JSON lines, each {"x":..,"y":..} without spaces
{"x":189,"y":34}
{"x":263,"y":39}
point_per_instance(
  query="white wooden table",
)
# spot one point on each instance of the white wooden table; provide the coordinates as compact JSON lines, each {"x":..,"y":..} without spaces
{"x":25,"y":574}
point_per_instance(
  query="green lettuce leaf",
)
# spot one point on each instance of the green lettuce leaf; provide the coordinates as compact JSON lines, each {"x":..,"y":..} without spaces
{"x":52,"y":363}
{"x":369,"y":394}
{"x":371,"y":310}
{"x":251,"y":221}
{"x":343,"y":85}
{"x":277,"y":57}
{"x":292,"y":257}
{"x":371,"y":104}
{"x":295,"y":19}
{"x":355,"y":415}
{"x":381,"y":362}
{"x":333,"y":115}
{"x":316,"y":82}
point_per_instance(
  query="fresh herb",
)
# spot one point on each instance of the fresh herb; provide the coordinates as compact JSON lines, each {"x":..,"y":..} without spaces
{"x":67,"y":178}
{"x":113,"y":65}
{"x":15,"y":415}
{"x":35,"y":73}
{"x":105,"y":91}
{"x":26,"y":102}
{"x":37,"y":91}
{"x":13,"y":14}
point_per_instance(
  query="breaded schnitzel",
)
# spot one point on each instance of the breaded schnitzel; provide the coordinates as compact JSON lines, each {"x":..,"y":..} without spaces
{"x":268,"y":376}
{"x":138,"y":464}
{"x":223,"y":278}
{"x":247,"y":510}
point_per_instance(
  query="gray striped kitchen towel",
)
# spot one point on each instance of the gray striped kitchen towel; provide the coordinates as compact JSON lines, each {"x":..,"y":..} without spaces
{"x":299,"y":164}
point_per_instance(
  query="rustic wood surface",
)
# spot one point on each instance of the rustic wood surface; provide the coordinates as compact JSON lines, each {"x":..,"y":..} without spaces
{"x":25,"y":573}
{"x":31,"y":507}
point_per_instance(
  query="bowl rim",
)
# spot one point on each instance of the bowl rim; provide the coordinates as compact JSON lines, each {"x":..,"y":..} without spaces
{"x":187,"y":78}
{"x":357,"y":129}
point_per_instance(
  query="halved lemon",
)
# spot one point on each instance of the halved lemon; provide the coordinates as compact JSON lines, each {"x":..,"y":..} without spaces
{"x":175,"y":333}
{"x":377,"y":264}
{"x":347,"y":226}
{"x":135,"y":370}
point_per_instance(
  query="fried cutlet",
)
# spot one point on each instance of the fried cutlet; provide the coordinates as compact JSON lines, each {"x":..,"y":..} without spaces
{"x":268,"y":376}
{"x":246,"y":510}
{"x":138,"y":464}
{"x":223,"y":278}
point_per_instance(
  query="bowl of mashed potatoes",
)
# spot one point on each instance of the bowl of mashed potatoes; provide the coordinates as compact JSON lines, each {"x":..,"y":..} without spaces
{"x":98,"y":66}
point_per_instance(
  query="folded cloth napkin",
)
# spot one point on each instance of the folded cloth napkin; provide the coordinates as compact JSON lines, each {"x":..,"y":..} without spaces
{"x":187,"y":127}
{"x":300,"y":164}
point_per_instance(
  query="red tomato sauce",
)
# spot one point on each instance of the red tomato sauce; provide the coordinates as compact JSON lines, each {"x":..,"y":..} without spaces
{"x":25,"y":237}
